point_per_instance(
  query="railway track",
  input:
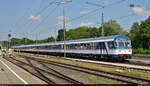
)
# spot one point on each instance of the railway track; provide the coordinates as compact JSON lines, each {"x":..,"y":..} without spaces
{"x":110,"y":75}
{"x":138,"y":62}
{"x":107,"y":65}
{"x":31,"y":70}
{"x":41,"y":72}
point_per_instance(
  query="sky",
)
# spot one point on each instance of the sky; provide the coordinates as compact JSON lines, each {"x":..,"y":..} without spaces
{"x":39,"y":19}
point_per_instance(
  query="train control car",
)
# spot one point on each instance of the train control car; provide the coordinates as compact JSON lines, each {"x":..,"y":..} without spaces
{"x":110,"y":47}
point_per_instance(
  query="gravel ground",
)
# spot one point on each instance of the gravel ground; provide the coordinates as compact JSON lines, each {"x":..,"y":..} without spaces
{"x":79,"y":76}
{"x":85,"y":78}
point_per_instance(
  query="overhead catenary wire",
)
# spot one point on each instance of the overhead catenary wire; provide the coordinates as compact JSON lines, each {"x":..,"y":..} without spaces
{"x":39,"y":12}
{"x":21,"y":18}
{"x":125,"y":16}
{"x":24,"y":15}
{"x":50,"y":13}
{"x":93,"y":11}
{"x":76,"y":18}
{"x":81,"y":15}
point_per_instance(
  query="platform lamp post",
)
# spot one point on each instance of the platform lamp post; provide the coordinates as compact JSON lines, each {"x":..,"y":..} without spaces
{"x":64,"y":21}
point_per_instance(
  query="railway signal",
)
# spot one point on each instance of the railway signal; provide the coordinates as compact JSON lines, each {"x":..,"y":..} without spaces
{"x":9,"y":36}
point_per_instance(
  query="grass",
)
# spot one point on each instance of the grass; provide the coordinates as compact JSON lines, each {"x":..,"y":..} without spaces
{"x":96,"y":66}
{"x":146,"y":55}
{"x":141,"y":56}
{"x":136,"y":73}
{"x":100,"y":81}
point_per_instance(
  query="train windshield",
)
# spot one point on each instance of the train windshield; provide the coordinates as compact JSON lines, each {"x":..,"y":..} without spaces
{"x":128,"y":44}
{"x":122,"y":44}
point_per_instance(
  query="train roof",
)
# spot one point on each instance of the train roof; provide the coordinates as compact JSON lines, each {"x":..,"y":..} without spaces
{"x":87,"y":40}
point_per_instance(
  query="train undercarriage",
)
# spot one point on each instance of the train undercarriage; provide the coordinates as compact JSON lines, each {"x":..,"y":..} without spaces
{"x":84,"y":56}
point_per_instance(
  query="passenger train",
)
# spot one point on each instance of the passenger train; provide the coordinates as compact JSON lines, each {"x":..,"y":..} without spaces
{"x":116,"y":47}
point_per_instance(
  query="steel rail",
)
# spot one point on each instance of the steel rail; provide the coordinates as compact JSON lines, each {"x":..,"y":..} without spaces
{"x":48,"y":82}
{"x":114,"y":73}
{"x":62,"y":76}
{"x":84,"y":71}
{"x":139,"y":64}
{"x":35,"y":68}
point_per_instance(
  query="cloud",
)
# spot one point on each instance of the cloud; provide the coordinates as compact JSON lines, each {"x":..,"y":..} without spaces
{"x":84,"y":12}
{"x":141,"y":11}
{"x":130,"y":13}
{"x":61,"y":17}
{"x":86,"y":24}
{"x":105,"y":3}
{"x":61,"y":24}
{"x":35,"y":18}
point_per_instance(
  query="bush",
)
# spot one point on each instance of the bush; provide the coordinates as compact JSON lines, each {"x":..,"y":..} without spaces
{"x":141,"y":51}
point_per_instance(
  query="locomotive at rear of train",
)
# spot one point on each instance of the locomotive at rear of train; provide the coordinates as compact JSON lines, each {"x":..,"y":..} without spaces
{"x":110,"y":47}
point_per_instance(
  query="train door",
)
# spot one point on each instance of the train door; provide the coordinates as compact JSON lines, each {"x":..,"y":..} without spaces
{"x":102,"y":49}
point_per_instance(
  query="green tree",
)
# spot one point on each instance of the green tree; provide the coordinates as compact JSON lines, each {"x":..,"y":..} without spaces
{"x":15,"y":41}
{"x":60,"y":36}
{"x":94,"y":32}
{"x":50,"y":39}
{"x":135,"y":35}
{"x":145,"y":33}
{"x":140,"y":34}
{"x":113,"y":28}
{"x":78,"y":33}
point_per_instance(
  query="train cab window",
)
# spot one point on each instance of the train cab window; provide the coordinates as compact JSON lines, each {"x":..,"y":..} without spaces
{"x":115,"y":44}
{"x":128,"y":44}
{"x":121,"y":44}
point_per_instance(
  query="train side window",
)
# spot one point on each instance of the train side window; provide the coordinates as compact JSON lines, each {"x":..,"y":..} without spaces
{"x":68,"y":46}
{"x":94,"y":45}
{"x":85,"y":46}
{"x":111,"y":45}
{"x":102,"y":45}
{"x":71,"y":46}
{"x":89,"y":46}
{"x":79,"y":46}
{"x":62,"y":46}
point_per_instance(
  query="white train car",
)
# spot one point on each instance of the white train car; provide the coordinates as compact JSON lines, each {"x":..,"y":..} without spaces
{"x":109,"y":47}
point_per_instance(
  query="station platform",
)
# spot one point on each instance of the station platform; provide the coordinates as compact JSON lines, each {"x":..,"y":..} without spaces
{"x":12,"y":74}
